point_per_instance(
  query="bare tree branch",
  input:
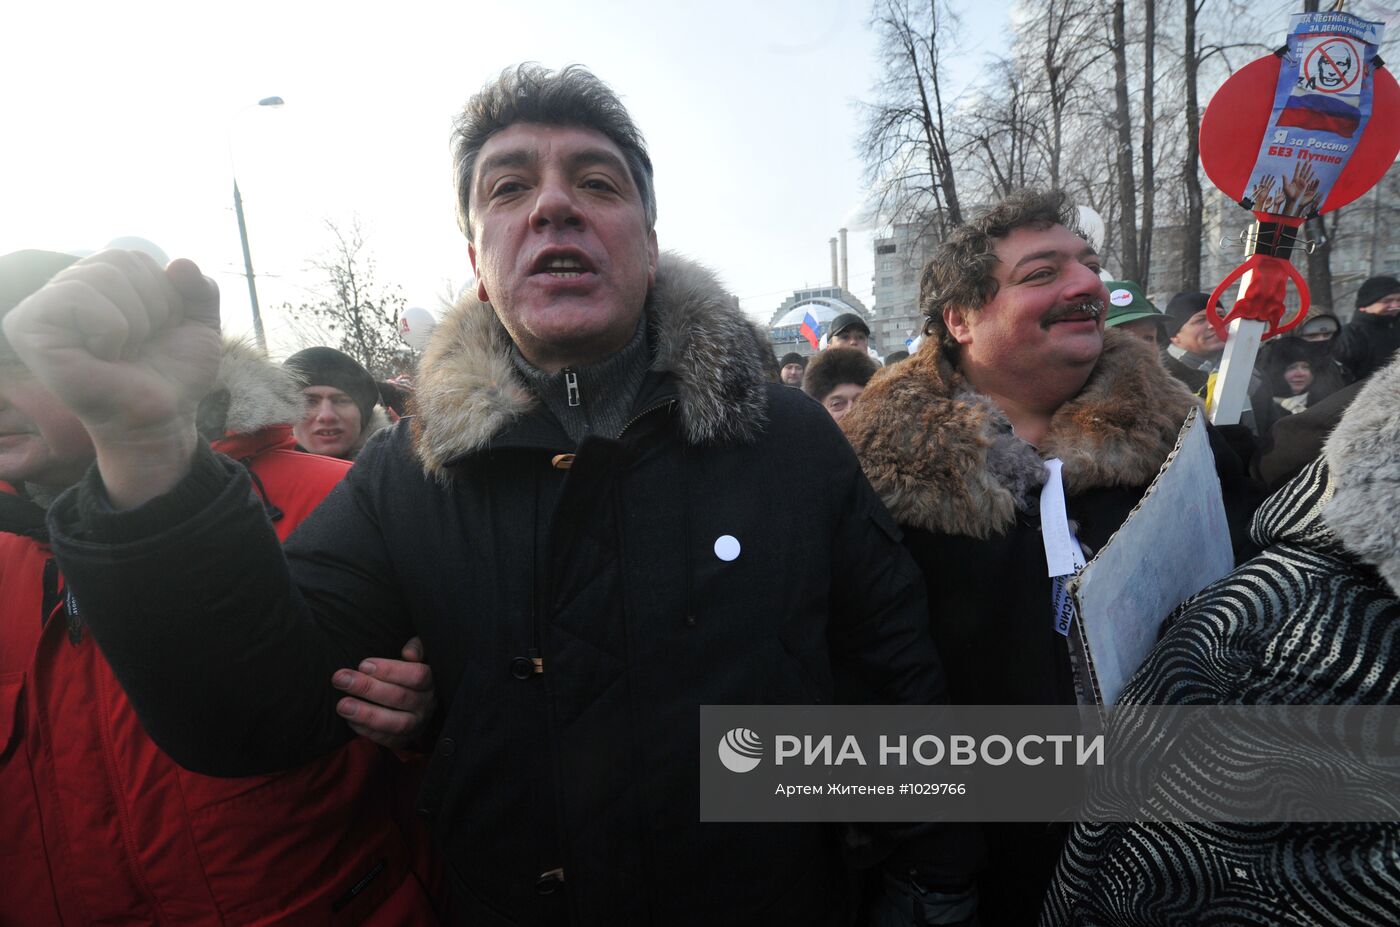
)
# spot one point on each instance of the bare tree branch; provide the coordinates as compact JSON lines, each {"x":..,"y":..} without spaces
{"x":352,"y":314}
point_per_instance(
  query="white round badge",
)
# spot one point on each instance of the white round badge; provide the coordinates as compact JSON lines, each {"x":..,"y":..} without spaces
{"x":727,"y":547}
{"x":1121,"y":297}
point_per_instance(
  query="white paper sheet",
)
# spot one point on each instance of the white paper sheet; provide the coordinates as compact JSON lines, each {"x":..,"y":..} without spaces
{"x":1173,"y":545}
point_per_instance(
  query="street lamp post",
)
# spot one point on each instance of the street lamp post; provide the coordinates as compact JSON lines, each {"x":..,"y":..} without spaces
{"x":243,"y":230}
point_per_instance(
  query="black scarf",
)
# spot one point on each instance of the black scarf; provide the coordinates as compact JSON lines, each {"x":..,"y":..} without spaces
{"x":19,"y":515}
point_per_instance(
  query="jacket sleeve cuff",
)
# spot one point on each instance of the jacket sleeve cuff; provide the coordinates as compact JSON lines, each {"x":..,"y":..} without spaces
{"x":94,"y":519}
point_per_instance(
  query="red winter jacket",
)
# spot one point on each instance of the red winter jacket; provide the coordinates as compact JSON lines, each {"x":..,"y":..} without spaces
{"x":97,"y":825}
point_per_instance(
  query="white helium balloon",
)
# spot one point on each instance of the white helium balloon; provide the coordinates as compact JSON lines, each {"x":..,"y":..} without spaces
{"x":132,"y":243}
{"x":1091,"y":223}
{"x":415,"y":327}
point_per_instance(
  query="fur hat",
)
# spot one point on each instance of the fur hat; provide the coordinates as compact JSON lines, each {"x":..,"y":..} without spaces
{"x":22,"y":273}
{"x":1277,"y":354}
{"x":328,"y":367}
{"x":1363,"y":454}
{"x":835,"y":366}
{"x":1376,"y":289}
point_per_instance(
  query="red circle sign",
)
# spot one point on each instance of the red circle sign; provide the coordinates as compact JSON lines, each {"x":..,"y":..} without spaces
{"x":1234,"y":124}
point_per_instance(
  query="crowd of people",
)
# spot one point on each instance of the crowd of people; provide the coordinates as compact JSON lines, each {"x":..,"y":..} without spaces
{"x":465,"y":688}
{"x":1293,"y":373}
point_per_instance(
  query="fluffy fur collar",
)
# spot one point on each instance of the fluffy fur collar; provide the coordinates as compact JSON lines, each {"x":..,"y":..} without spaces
{"x":469,"y":392}
{"x":251,"y":393}
{"x":944,"y":458}
{"x":1363,"y":455}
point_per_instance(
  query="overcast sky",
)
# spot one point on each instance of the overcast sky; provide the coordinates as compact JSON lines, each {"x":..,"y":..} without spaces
{"x":118,"y":120}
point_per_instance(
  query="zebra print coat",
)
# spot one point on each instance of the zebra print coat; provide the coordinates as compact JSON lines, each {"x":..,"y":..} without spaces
{"x":1314,"y":620}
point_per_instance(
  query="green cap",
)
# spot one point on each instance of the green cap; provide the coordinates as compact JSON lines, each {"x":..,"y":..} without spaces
{"x":1127,"y":304}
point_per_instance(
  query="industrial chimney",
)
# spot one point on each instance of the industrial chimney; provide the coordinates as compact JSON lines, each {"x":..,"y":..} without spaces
{"x":835,"y":279}
{"x":845,"y":280}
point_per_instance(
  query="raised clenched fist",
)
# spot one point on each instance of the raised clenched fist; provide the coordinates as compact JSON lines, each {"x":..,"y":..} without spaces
{"x":131,"y":348}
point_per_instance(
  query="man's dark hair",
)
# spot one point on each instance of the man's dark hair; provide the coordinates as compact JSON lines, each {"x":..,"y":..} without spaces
{"x":530,"y":92}
{"x":960,"y":271}
{"x":834,"y":367}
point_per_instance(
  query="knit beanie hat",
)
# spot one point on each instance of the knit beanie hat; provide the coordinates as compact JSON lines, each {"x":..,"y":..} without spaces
{"x":1376,"y":289}
{"x":792,"y":357}
{"x":22,"y":273}
{"x":328,"y":367}
{"x":835,"y":366}
{"x":1180,"y":309}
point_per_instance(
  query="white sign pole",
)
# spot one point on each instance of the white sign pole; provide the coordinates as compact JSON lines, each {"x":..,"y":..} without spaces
{"x":1231,"y":394}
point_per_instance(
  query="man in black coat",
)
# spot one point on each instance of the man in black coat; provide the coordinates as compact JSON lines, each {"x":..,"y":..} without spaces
{"x":1016,"y":369}
{"x":1370,"y":339}
{"x":1193,"y":350}
{"x":590,"y":524}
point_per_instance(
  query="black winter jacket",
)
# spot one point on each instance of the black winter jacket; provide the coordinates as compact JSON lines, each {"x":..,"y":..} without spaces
{"x":966,"y":492}
{"x":1367,"y":343}
{"x":574,"y":609}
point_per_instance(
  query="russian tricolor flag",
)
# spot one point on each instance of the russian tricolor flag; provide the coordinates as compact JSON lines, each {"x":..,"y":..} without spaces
{"x":1319,"y":112}
{"x":811,"y":330}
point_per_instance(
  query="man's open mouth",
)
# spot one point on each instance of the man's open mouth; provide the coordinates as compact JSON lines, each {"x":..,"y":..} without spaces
{"x":562,"y":264}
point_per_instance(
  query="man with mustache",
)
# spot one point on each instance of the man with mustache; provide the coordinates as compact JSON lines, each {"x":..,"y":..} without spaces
{"x":1016,"y":368}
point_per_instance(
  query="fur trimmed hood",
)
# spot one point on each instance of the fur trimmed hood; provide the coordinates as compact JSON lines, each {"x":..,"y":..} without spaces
{"x":252,"y":393}
{"x":1363,"y":455}
{"x":249,"y":394}
{"x":469,"y":391}
{"x":944,"y":458}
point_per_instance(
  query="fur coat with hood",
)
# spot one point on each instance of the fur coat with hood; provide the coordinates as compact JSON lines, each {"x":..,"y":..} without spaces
{"x":578,"y":604}
{"x":99,"y":825}
{"x":1313,"y":620}
{"x":965,"y":489}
